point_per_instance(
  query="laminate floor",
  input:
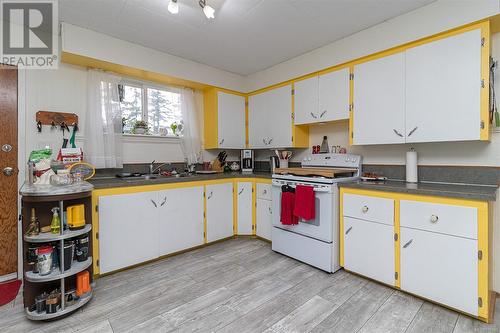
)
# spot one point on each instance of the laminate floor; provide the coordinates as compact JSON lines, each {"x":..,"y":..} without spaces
{"x":240,"y":285}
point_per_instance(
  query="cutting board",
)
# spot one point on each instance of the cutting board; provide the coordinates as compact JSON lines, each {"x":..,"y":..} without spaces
{"x":322,"y":172}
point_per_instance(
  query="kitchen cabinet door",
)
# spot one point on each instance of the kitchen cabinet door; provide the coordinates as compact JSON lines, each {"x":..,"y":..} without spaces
{"x":180,"y":219}
{"x":270,"y":118}
{"x":379,"y":101}
{"x":231,"y":121}
{"x":128,"y":230}
{"x":264,"y":218}
{"x":443,"y":87}
{"x":333,"y":96}
{"x":245,"y":211}
{"x":441,"y":268}
{"x":219,"y":211}
{"x":306,"y":99}
{"x":369,"y":249}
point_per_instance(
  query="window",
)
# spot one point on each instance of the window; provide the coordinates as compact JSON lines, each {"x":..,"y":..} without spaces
{"x":150,"y":110}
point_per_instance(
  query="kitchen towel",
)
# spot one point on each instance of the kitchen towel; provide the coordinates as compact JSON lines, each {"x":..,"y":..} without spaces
{"x":287,"y":206}
{"x":411,"y":166}
{"x":304,"y":202}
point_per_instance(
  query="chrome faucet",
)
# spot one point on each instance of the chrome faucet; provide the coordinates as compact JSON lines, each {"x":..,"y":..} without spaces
{"x":152,"y":168}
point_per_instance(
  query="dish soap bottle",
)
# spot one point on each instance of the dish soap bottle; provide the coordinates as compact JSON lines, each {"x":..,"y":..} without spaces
{"x":324,"y":146}
{"x":55,"y":225}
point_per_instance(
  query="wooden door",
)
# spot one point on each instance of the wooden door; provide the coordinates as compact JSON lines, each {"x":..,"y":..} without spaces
{"x":379,"y":101}
{"x":443,"y":88}
{"x":264,"y":218}
{"x":8,"y":180}
{"x":219,"y":211}
{"x":369,"y":249}
{"x":231,"y":121}
{"x":441,"y":268}
{"x":180,"y":219}
{"x":306,"y":101}
{"x":128,"y":230}
{"x":245,"y":215}
{"x":334,"y":95}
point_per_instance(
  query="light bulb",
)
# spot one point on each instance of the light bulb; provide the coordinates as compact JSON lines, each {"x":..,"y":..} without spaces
{"x":173,"y":7}
{"x":209,"y":12}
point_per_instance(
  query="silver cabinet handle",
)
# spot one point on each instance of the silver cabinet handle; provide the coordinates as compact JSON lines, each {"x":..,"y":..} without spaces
{"x":407,"y":244}
{"x":270,"y":210}
{"x":264,"y":141}
{"x":164,"y":201}
{"x":270,"y":140}
{"x":264,"y":192}
{"x":348,"y":230}
{"x":322,"y":114}
{"x":434,"y":218}
{"x":8,"y":171}
{"x":221,"y":142}
{"x":397,"y":133}
{"x":210,"y":195}
{"x":154,"y":203}
{"x":314,"y":116}
{"x":412,"y":131}
{"x":364,"y":209}
{"x":241,"y":191}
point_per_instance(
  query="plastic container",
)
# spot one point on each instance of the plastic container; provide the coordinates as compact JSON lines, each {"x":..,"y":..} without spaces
{"x":69,"y":250}
{"x":45,"y":257}
{"x":82,"y":248}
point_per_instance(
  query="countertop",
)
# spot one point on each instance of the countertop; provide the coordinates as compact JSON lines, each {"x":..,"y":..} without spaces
{"x":110,"y":182}
{"x":472,"y":192}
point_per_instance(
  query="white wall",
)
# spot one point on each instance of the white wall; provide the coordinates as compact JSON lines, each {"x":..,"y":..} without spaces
{"x":438,"y":16}
{"x":92,"y":44}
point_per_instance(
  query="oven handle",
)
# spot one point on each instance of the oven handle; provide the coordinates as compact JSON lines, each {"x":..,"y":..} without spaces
{"x":315,"y":189}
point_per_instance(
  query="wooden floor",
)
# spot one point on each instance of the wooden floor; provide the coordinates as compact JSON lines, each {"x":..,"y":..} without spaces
{"x":240,"y":286}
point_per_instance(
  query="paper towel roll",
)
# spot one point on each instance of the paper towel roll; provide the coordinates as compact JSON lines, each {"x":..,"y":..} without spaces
{"x":411,"y":166}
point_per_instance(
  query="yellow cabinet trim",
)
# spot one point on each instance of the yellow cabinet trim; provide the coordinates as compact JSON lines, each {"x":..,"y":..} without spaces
{"x":484,"y":237}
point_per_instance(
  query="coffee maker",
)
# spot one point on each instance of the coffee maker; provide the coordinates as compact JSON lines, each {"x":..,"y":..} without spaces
{"x":247,"y":160}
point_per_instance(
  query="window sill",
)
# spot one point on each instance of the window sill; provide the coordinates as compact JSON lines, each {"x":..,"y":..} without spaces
{"x":143,"y":138}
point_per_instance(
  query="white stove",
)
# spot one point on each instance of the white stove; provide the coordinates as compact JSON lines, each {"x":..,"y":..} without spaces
{"x":314,"y":242}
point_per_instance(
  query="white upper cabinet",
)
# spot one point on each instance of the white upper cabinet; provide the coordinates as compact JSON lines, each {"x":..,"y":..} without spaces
{"x":322,"y":98}
{"x":334,"y":95}
{"x":231,"y":121}
{"x":270,"y":118}
{"x":306,"y":100}
{"x":443,"y":87}
{"x":379,"y":101}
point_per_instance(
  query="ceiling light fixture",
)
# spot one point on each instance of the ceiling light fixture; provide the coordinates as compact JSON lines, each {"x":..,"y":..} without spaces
{"x":209,"y":11}
{"x":173,"y":7}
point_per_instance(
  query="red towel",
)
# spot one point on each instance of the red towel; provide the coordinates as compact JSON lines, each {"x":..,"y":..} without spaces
{"x":304,"y":202}
{"x":287,"y":205}
{"x":8,"y":291}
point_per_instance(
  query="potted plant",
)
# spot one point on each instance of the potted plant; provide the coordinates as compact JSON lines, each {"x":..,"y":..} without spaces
{"x":140,"y":127}
{"x":176,"y":128}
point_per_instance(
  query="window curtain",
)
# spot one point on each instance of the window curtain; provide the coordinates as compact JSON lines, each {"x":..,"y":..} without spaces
{"x":103,"y":130}
{"x":190,"y":139}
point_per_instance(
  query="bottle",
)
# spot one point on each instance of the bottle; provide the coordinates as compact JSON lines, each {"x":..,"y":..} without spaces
{"x":324,"y":146}
{"x":55,"y":225}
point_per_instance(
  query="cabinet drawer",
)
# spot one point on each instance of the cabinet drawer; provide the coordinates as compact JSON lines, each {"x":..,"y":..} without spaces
{"x":369,"y":208}
{"x":264,"y":191}
{"x":369,"y":249}
{"x":446,"y":219}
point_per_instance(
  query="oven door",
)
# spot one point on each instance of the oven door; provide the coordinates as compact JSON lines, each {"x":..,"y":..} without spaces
{"x":321,"y":227}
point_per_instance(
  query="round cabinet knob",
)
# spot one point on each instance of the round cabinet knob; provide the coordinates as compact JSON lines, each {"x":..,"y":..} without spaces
{"x":8,"y":171}
{"x":434,"y":218}
{"x":264,"y":192}
{"x":364,"y":209}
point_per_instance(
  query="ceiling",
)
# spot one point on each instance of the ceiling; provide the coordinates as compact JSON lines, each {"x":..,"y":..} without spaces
{"x":245,"y":37}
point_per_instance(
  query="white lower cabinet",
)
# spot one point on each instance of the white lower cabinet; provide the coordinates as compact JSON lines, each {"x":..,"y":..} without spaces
{"x":180,"y":219}
{"x":245,"y":211}
{"x":264,"y":218}
{"x":369,"y":249}
{"x":219,"y":211}
{"x":441,"y":268}
{"x":128,"y":226}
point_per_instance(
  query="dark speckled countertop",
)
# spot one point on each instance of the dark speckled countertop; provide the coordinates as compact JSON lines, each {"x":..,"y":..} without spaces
{"x":111,"y":181}
{"x":472,"y":192}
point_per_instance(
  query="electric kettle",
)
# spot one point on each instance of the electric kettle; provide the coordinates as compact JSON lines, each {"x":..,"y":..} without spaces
{"x":274,"y":163}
